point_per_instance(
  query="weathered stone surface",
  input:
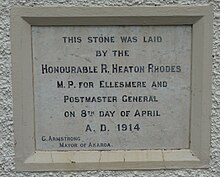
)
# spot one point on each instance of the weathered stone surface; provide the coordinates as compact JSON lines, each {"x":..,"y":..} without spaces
{"x":112,"y":87}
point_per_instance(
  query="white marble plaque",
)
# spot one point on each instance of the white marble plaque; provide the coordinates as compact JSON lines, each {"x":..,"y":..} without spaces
{"x":111,"y":87}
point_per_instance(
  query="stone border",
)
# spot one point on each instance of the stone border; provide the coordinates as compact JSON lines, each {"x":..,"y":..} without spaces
{"x":26,"y":156}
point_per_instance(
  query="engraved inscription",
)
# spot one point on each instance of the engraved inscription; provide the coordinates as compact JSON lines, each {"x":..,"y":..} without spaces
{"x":111,"y":87}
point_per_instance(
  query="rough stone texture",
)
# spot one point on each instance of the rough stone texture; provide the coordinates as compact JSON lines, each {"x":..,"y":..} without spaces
{"x":6,"y":124}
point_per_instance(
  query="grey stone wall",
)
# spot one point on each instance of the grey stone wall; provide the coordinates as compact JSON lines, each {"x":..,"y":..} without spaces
{"x":7,"y":167}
